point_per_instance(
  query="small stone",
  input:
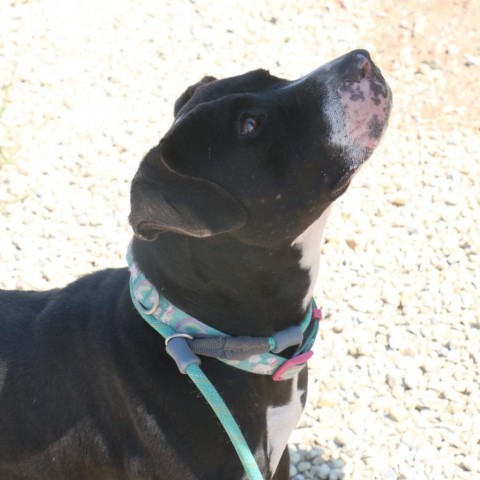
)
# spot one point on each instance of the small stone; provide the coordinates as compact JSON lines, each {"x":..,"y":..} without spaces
{"x":470,"y":463}
{"x":426,"y":452}
{"x":413,"y":378}
{"x":453,"y":49}
{"x":337,"y":463}
{"x":344,"y":437}
{"x":18,"y":187}
{"x":390,"y":295}
{"x":304,"y":466}
{"x":472,"y":60}
{"x":324,"y":471}
{"x":390,"y":474}
{"x":352,"y":244}
{"x":313,"y":454}
{"x":313,"y":472}
{"x":295,"y":457}
{"x":335,"y":474}
{"x":397,"y":412}
{"x":7,"y":250}
{"x":398,"y":339}
{"x":419,"y":26}
{"x":293,"y":470}
{"x":318,"y":460}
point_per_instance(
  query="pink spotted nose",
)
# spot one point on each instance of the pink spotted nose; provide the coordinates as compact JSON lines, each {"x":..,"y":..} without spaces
{"x":364,"y":100}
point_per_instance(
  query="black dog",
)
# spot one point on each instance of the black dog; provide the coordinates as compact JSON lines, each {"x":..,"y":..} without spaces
{"x":228,"y":212}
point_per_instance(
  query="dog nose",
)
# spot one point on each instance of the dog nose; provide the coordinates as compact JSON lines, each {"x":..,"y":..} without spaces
{"x":357,"y":66}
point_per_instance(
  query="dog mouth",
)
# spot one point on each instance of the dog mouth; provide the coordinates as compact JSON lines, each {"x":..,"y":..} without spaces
{"x":342,"y":184}
{"x":341,"y":188}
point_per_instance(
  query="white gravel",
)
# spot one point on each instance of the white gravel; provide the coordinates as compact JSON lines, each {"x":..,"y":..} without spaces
{"x":91,"y":85}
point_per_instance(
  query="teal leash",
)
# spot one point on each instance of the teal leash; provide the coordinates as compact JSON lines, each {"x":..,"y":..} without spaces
{"x":212,"y":396}
{"x":226,"y":419}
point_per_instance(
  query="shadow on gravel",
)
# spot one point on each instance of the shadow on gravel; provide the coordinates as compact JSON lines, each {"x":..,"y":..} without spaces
{"x":314,"y":464}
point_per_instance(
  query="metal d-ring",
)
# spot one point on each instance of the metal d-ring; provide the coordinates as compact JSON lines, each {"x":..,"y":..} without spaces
{"x":178,"y":335}
{"x":151,"y":310}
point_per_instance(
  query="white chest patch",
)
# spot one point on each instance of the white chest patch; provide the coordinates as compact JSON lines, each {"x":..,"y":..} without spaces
{"x":309,"y":244}
{"x":281,"y":421}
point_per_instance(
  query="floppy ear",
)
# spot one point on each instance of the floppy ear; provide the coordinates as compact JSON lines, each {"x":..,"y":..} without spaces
{"x":188,"y":93}
{"x":163,"y":200}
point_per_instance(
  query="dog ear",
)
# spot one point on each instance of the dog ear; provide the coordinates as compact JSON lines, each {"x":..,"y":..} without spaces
{"x":163,"y":200}
{"x":188,"y":93}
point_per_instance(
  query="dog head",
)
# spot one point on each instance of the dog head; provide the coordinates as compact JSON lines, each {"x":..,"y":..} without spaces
{"x":260,"y":157}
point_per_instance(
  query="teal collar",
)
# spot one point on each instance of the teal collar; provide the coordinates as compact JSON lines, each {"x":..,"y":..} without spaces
{"x":252,"y":354}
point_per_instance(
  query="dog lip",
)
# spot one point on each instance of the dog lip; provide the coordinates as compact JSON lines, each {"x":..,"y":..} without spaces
{"x":340,"y":190}
{"x":343,"y":183}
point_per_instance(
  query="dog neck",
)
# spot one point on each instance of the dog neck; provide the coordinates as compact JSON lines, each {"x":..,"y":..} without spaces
{"x":233,"y":286}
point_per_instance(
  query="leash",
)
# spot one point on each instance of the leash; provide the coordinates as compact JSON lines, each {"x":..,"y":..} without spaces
{"x":247,"y":353}
{"x":193,"y":370}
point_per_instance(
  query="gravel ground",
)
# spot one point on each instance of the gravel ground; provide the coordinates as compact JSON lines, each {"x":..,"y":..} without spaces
{"x":88,"y":87}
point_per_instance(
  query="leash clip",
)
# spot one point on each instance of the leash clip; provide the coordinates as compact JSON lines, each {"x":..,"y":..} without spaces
{"x":177,"y":347}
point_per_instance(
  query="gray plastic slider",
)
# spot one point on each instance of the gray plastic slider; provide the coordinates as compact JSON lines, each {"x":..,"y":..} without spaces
{"x":178,"y":348}
{"x":287,"y":338}
{"x":230,"y":348}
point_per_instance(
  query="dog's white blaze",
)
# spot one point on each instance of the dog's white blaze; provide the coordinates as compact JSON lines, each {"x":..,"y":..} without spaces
{"x":309,"y":244}
{"x":281,"y":421}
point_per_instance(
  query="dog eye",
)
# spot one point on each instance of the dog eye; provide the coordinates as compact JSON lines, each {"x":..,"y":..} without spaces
{"x":249,"y":124}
